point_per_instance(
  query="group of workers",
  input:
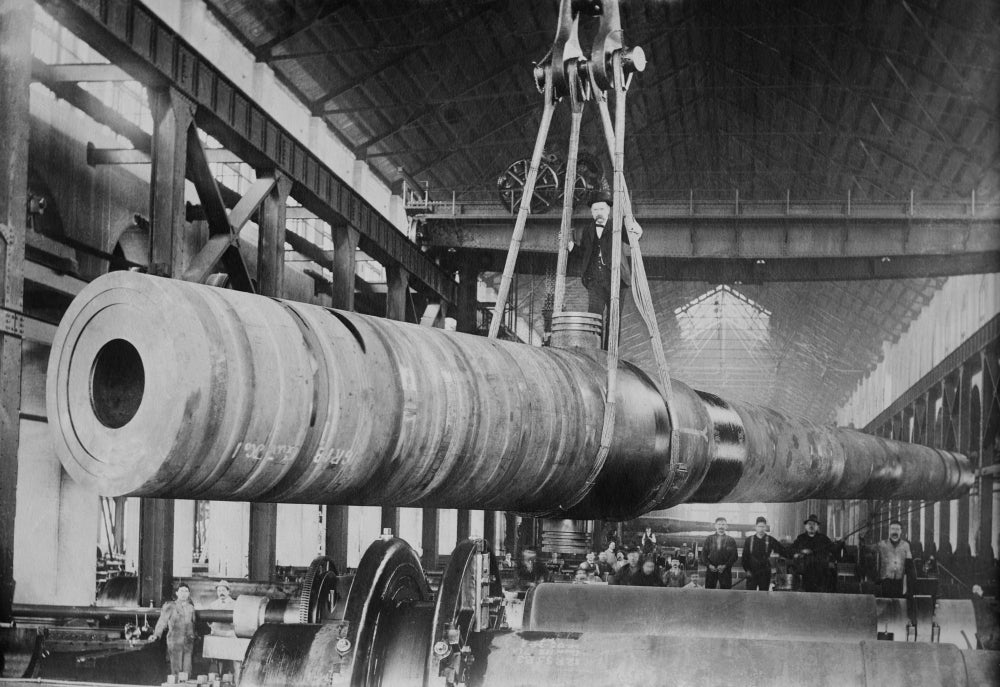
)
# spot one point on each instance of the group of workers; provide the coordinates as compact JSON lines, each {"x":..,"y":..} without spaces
{"x":177,"y":623}
{"x":812,"y":553}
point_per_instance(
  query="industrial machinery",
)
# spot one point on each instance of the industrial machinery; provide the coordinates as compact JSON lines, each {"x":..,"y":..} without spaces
{"x":170,"y":389}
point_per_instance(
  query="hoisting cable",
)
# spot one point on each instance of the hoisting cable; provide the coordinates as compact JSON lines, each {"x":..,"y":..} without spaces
{"x":522,"y":214}
{"x":577,"y":97}
{"x":561,"y":70}
{"x":644,"y":304}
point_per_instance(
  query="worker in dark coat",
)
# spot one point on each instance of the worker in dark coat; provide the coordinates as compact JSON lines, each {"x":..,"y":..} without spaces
{"x":596,"y":247}
{"x":757,"y":550}
{"x":813,"y":553}
{"x":178,"y":622}
{"x":649,"y":574}
{"x":530,"y":571}
{"x":625,"y":574}
{"x":592,"y":567}
{"x":718,"y":554}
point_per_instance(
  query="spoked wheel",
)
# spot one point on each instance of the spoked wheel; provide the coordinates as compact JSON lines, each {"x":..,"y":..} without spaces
{"x":510,"y":185}
{"x":589,"y":173}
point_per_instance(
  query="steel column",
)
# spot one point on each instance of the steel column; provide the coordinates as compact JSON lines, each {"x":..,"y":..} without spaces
{"x":927,"y":439}
{"x":490,"y":529}
{"x":430,"y":534}
{"x":156,"y":550}
{"x":15,"y":79}
{"x":950,"y":390}
{"x":396,"y":296}
{"x":911,"y":520}
{"x":391,"y":520}
{"x":263,"y":540}
{"x":965,"y":445}
{"x":336,"y":535}
{"x":345,"y":244}
{"x":510,"y":533}
{"x":990,"y":423}
{"x":466,"y":293}
{"x":464,"y":526}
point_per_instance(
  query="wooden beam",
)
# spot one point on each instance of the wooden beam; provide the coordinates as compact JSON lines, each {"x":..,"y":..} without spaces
{"x":258,"y":192}
{"x":206,"y":186}
{"x":204,"y":262}
{"x":271,"y":235}
{"x":173,"y":115}
{"x":345,"y":246}
{"x":220,"y":227}
{"x":398,"y":288}
{"x":174,"y":63}
{"x":80,"y":73}
{"x":140,"y":156}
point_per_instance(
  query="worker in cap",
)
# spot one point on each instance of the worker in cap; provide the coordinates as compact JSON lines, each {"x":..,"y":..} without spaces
{"x":718,"y":554}
{"x":631,"y":569}
{"x":814,"y":554}
{"x":596,"y":249}
{"x":757,"y":550}
{"x":223,"y":600}
{"x":177,"y":622}
{"x":530,"y":571}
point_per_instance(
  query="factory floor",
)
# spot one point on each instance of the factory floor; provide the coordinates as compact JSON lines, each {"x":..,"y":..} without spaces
{"x":145,"y":664}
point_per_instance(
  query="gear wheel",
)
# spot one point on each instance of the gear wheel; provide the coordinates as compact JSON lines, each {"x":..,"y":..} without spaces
{"x":317,"y":586}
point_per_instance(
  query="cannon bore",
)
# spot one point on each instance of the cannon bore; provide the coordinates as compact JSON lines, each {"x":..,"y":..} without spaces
{"x":165,"y":388}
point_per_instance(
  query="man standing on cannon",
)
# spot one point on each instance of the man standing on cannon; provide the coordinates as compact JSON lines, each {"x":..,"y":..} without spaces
{"x":596,"y":248}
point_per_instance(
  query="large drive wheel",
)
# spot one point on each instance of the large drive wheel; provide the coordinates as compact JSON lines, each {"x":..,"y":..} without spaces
{"x":510,"y":184}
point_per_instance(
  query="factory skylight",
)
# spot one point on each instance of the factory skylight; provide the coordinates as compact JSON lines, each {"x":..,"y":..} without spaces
{"x":723,"y":309}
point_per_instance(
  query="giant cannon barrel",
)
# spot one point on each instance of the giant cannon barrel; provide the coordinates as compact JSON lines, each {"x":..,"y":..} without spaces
{"x":158,"y":387}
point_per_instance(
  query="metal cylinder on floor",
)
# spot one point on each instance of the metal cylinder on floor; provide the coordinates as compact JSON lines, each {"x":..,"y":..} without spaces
{"x":164,"y":388}
{"x":700,"y":613}
{"x":570,"y":659}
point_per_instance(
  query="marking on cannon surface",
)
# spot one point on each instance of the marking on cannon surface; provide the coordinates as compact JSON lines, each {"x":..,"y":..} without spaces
{"x":262,"y":451}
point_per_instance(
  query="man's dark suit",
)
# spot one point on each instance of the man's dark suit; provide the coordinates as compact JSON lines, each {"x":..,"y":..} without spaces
{"x":597,"y":273}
